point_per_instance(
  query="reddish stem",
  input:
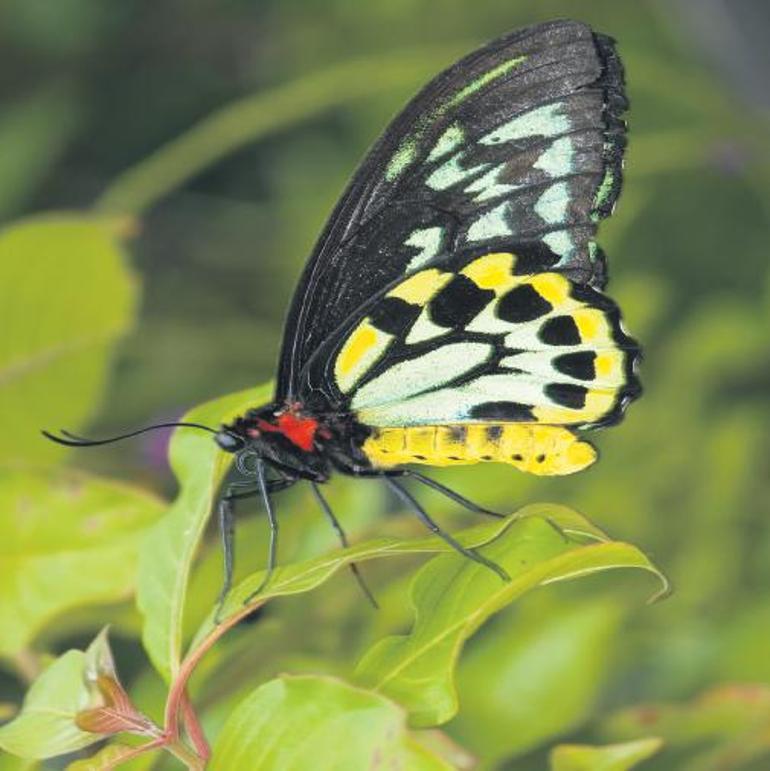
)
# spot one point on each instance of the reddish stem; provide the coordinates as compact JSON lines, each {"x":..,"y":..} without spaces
{"x":177,"y":694}
{"x":194,"y":729}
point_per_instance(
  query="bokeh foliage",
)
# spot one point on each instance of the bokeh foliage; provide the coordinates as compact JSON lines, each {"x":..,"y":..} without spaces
{"x":282,"y":99}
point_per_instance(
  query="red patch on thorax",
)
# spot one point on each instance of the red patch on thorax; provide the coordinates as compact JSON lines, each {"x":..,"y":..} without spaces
{"x":298,"y":430}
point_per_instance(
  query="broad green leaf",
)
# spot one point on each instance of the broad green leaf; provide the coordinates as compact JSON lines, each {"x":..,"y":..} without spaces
{"x":613,"y":757}
{"x":303,"y":576}
{"x":15,"y":763}
{"x":305,"y":534}
{"x":45,"y":726}
{"x":66,"y":295}
{"x":299,"y":723}
{"x":166,"y":556}
{"x":536,"y":675}
{"x":67,"y":540}
{"x":725,"y":727}
{"x":453,"y":596}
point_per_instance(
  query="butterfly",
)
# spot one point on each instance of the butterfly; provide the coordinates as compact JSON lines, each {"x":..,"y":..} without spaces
{"x":452,"y":311}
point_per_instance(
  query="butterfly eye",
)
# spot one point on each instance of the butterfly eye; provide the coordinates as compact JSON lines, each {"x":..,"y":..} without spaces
{"x":228,"y":441}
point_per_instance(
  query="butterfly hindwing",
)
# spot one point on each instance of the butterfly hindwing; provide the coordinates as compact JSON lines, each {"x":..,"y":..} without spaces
{"x":515,"y":148}
{"x":479,"y":341}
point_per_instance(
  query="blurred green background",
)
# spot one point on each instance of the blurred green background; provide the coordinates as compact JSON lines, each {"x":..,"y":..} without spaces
{"x":210,"y":139}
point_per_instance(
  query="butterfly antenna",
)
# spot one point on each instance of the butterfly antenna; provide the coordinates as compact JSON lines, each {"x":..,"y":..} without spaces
{"x":69,"y":439}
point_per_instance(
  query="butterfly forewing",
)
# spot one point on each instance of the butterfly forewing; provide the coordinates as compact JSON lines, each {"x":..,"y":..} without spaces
{"x":516,"y":149}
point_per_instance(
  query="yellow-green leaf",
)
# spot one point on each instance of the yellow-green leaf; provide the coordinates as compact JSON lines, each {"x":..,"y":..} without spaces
{"x":167,"y":553}
{"x":319,"y":723}
{"x":45,"y":726}
{"x":66,"y":295}
{"x":612,"y":757}
{"x":67,"y":540}
{"x":538,"y":675}
{"x":453,"y":596}
{"x":298,"y":577}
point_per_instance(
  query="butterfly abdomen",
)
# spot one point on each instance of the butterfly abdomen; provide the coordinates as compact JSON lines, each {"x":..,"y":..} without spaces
{"x":537,"y":449}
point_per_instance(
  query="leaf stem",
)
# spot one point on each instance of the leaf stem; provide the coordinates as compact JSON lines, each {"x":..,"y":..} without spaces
{"x":178,"y":701}
{"x":180,"y":750}
{"x":194,"y":729}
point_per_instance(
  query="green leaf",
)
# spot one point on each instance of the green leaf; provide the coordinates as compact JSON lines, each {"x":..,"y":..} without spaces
{"x":46,"y":726}
{"x":613,"y":757}
{"x":297,"y":723}
{"x":66,"y":295}
{"x":15,"y":763}
{"x":166,"y":556}
{"x":67,"y":540}
{"x":303,"y":576}
{"x":537,"y":675}
{"x":453,"y":596}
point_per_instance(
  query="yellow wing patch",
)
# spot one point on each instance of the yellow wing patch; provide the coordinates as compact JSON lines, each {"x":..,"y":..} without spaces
{"x":598,"y":402}
{"x":592,"y":325}
{"x":364,"y":346}
{"x":420,"y":287}
{"x":609,"y":366}
{"x":492,"y":271}
{"x":552,"y":287}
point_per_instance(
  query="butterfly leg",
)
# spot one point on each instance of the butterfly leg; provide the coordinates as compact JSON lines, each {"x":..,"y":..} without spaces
{"x":227,"y":533}
{"x":264,"y":492}
{"x":335,"y":523}
{"x":472,"y":554}
{"x":226,"y":517}
{"x":451,"y":494}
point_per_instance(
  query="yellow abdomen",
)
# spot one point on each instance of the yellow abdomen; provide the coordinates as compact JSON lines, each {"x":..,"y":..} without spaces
{"x":531,"y":447}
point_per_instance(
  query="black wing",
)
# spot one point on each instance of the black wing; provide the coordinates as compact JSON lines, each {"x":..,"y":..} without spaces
{"x":516,"y":147}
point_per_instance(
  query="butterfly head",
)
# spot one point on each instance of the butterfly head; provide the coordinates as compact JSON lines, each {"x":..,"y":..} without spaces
{"x":283,"y":437}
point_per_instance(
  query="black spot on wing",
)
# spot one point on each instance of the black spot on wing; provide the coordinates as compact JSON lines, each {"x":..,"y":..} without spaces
{"x":394,"y":315}
{"x":508,"y":411}
{"x":560,"y":330}
{"x":522,"y":303}
{"x":533,"y":257}
{"x":567,"y":395}
{"x":459,"y":302}
{"x":579,"y":365}
{"x":494,"y":433}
